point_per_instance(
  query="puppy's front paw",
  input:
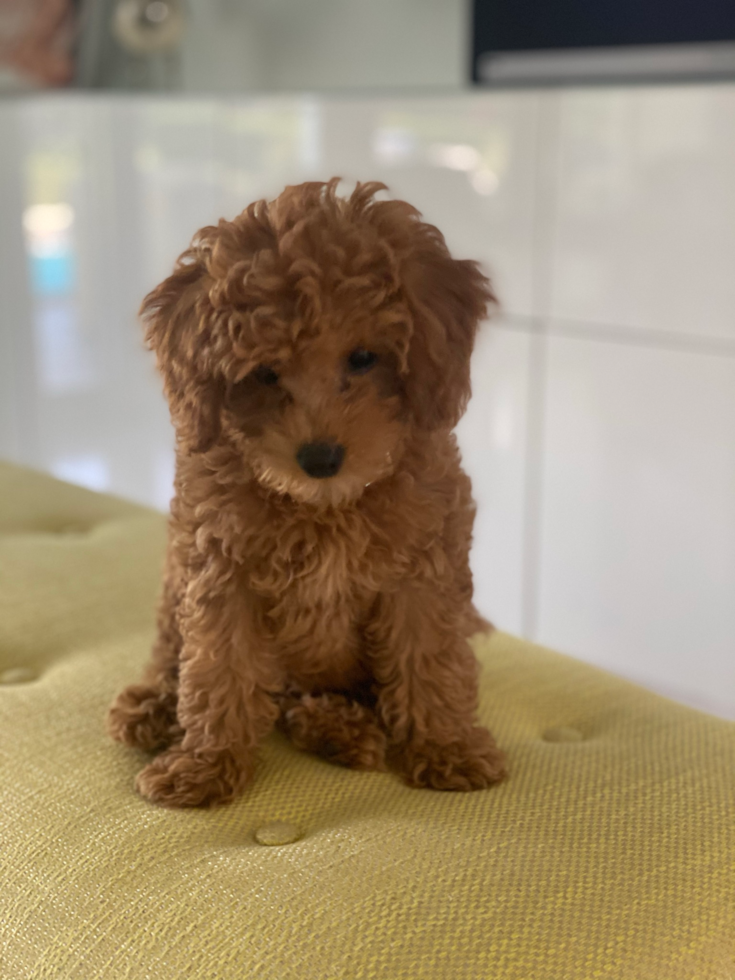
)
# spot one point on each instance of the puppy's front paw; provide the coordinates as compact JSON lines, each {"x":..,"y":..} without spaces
{"x":471,"y":763}
{"x":183,"y":779}
{"x":144,"y":718}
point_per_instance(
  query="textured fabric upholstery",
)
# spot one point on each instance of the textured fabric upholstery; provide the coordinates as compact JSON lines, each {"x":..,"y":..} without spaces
{"x":610,"y":851}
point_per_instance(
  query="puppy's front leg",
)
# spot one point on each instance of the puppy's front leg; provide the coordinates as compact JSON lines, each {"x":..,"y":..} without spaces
{"x":427,"y":694}
{"x":224,"y":705}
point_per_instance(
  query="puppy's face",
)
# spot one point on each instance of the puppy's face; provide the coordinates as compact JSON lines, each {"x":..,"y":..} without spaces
{"x":316,"y":336}
{"x":325,"y":419}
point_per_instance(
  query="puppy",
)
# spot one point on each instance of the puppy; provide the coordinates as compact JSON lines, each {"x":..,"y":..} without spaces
{"x":315,"y":354}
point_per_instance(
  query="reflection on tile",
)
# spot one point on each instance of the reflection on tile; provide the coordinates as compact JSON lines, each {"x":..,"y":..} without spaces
{"x":49,"y":242}
{"x":645,"y":229}
{"x":64,"y":360}
{"x":637,"y":568}
{"x":492,"y":437}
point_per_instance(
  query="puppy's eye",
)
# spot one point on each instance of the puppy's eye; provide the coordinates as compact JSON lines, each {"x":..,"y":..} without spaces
{"x":361,"y":360}
{"x":265,"y":375}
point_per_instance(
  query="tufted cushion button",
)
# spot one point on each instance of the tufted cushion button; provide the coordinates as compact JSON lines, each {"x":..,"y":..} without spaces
{"x":278,"y":832}
{"x":562,"y":734}
{"x":17,"y":675}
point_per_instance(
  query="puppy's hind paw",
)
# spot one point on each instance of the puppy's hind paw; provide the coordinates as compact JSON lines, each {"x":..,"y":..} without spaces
{"x":338,"y":729}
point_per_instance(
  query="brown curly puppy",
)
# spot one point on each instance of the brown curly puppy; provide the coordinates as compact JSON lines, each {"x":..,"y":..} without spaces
{"x":315,"y":353}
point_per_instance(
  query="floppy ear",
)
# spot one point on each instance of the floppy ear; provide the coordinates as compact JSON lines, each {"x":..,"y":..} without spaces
{"x":447,"y":299}
{"x":173,"y":314}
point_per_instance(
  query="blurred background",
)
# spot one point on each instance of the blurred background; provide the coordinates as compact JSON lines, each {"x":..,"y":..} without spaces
{"x":585,"y":153}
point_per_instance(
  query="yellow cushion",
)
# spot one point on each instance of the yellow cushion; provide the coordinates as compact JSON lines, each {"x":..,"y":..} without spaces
{"x":609,"y":852}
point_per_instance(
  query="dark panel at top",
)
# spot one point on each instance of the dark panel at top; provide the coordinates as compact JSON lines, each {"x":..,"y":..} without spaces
{"x":525,"y":25}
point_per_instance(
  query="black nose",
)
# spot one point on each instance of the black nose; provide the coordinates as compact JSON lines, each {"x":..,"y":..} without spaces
{"x":320,"y":459}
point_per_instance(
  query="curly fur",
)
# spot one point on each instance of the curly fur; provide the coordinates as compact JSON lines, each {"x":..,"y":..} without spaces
{"x":338,"y":608}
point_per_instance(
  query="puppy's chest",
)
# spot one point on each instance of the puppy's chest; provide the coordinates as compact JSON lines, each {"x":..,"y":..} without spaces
{"x":311,"y":564}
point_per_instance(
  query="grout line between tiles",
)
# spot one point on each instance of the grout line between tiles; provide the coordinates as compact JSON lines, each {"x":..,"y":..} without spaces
{"x":617,"y":334}
{"x":644,"y":337}
{"x":545,"y":194}
{"x":533,"y":481}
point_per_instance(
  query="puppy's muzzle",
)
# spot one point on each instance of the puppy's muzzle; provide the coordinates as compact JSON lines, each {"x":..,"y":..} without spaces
{"x":320,"y":459}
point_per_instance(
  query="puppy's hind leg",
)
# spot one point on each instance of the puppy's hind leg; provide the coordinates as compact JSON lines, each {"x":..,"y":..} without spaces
{"x":335,"y":727}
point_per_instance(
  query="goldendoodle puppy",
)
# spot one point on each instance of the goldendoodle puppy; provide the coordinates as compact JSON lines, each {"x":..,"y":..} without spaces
{"x":315,"y":353}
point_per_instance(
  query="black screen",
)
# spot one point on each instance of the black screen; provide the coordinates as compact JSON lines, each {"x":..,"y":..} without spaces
{"x":532,"y":25}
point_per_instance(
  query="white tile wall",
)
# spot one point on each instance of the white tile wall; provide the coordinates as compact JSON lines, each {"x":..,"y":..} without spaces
{"x":645,"y":228}
{"x":633,"y":558}
{"x":637,"y":556}
{"x":601,"y":437}
{"x":493,"y":439}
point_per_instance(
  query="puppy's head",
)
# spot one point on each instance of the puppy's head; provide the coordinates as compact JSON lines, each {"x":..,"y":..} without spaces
{"x":314,"y":336}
